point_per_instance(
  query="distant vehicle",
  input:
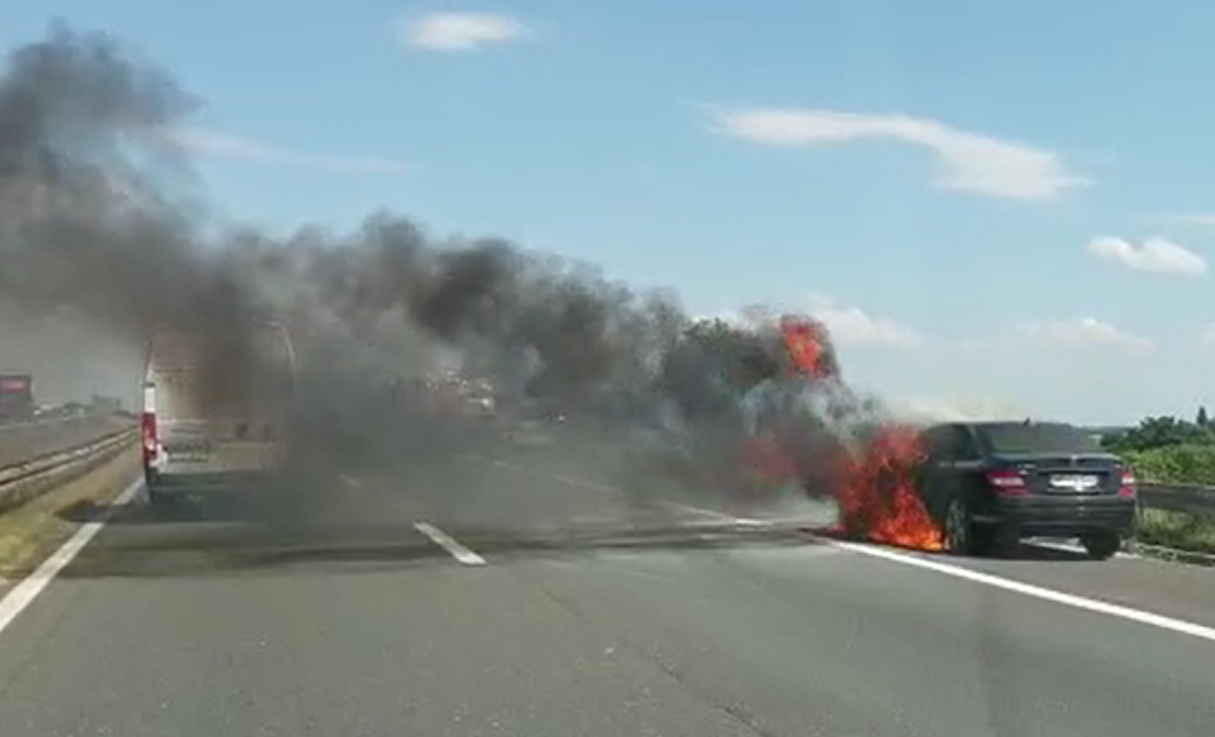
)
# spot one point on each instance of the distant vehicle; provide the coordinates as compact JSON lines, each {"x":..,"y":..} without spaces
{"x":992,"y":483}
{"x":16,"y":398}
{"x":191,"y":447}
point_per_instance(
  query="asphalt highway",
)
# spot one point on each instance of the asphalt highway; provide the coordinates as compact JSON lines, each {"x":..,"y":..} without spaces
{"x":526,"y":592}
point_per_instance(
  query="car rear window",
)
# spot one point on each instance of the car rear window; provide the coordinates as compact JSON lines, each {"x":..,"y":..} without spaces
{"x":1037,"y":438}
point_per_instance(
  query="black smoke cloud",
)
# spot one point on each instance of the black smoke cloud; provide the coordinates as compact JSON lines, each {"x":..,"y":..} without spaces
{"x":88,"y":220}
{"x":98,"y":217}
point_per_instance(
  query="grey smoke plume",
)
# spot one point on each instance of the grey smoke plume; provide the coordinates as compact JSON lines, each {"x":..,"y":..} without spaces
{"x":98,"y":217}
{"x":88,"y":220}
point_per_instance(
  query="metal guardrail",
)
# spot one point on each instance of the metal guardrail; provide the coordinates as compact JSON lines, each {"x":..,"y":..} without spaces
{"x":1186,"y":498}
{"x":22,"y":482}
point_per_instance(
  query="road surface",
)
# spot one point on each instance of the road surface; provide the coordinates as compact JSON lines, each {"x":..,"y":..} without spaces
{"x":523,"y":604}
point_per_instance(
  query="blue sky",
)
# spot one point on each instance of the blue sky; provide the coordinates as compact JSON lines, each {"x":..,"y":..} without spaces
{"x":997,"y":203}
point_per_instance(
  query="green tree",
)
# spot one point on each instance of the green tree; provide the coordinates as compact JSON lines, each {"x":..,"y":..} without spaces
{"x":1158,"y":432}
{"x":1202,"y":420}
{"x":1185,"y":464}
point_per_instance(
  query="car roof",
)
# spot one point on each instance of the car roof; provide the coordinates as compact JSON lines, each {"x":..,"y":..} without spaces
{"x":982,"y":424}
{"x":1016,"y":423}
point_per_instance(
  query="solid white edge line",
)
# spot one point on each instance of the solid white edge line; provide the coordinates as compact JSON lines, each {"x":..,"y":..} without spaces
{"x":27,"y":590}
{"x":1038,"y":592}
{"x":450,"y":544}
{"x":603,"y":488}
{"x":712,"y":514}
{"x":1007,"y":584}
{"x":721,"y":517}
{"x":1068,"y":547}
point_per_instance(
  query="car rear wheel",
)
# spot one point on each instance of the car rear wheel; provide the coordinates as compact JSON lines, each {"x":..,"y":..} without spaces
{"x":988,"y":540}
{"x":959,"y":528}
{"x":1101,"y":545}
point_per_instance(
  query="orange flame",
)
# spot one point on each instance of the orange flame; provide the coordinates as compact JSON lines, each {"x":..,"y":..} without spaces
{"x":878,"y":497}
{"x":876,"y":490}
{"x":804,"y":344}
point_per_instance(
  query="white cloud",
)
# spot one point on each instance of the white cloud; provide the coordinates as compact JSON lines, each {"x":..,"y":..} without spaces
{"x":854,"y":325}
{"x":213,"y":143}
{"x":1158,"y":255}
{"x":461,"y":31}
{"x":1084,"y":331}
{"x":958,"y":409}
{"x":847,"y":325}
{"x":1207,"y":336}
{"x":969,"y":161}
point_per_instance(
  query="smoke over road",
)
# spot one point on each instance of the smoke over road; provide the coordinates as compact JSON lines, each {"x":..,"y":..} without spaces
{"x":98,"y":218}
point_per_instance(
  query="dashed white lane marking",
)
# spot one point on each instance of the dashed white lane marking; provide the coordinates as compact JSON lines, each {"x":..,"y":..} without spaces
{"x":450,"y":544}
{"x":25,"y":592}
{"x":1038,"y":592}
{"x":350,"y":481}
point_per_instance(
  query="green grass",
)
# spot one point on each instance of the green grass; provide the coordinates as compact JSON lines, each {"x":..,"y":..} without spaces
{"x":1177,"y":530}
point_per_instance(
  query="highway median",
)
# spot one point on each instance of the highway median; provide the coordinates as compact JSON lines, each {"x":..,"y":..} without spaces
{"x":1178,"y":536}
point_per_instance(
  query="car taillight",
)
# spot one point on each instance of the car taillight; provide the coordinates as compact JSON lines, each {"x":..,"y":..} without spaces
{"x":1126,"y":486}
{"x":1007,"y":482}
